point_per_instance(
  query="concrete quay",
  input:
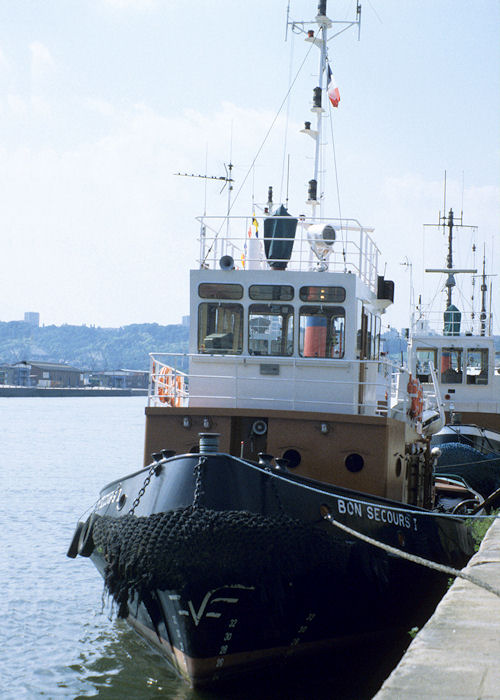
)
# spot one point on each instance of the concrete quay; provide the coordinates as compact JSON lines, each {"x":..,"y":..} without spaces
{"x":456,"y":655}
{"x":30,"y":391}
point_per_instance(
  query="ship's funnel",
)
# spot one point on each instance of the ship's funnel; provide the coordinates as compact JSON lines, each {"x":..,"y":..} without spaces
{"x":279,"y":235}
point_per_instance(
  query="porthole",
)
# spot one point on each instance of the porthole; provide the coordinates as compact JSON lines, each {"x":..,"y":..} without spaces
{"x":354,"y":462}
{"x":294,"y":458}
{"x":398,"y":466}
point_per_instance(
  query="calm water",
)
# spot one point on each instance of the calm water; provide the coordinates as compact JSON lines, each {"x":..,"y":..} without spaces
{"x":58,"y":638}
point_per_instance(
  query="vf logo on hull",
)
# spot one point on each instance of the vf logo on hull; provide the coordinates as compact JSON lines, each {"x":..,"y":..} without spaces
{"x":210,"y":599}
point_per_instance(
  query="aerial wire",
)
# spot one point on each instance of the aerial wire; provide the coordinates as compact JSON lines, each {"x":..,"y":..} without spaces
{"x":253,"y":187}
{"x":290,"y":68}
{"x":287,"y":179}
{"x":422,"y":266}
{"x":463,"y":187}
{"x":375,"y":12}
{"x":259,"y":151}
{"x":343,"y":233}
{"x":206,"y":180}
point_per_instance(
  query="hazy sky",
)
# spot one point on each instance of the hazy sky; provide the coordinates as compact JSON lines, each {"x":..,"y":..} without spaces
{"x":102,"y":101}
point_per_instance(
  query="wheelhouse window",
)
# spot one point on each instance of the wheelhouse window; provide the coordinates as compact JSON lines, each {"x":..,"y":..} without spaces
{"x":331,"y":295}
{"x":451,"y":365}
{"x":270,"y":329}
{"x":271,"y":292}
{"x":424,"y":358}
{"x":322,"y":331}
{"x":220,"y":328}
{"x":211,"y":290}
{"x":477,"y":366}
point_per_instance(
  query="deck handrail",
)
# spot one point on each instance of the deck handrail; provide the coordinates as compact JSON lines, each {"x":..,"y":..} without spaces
{"x":457,"y":324}
{"x":353,"y":251}
{"x":394,"y":403}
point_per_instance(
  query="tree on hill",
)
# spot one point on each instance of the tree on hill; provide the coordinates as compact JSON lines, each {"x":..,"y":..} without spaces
{"x":89,"y":347}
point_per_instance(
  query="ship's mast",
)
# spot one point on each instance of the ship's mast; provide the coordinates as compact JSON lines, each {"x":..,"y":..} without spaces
{"x":450,"y":282}
{"x":485,"y":316}
{"x":484,"y":289}
{"x":323,"y":24}
{"x":315,"y":192}
{"x":449,"y":222}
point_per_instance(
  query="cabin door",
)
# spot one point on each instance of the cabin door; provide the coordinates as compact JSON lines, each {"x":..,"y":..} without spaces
{"x":364,"y":354}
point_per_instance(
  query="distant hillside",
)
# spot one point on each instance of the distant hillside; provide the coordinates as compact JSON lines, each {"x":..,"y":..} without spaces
{"x":88,"y":347}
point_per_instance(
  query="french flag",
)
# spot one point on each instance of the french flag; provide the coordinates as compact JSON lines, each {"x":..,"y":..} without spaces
{"x":332,"y":89}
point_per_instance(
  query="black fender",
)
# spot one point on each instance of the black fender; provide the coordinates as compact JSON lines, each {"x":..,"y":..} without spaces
{"x":73,"y":548}
{"x":86,"y":541}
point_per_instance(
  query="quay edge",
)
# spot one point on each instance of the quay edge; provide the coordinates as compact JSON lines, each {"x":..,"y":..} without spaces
{"x":31,"y":391}
{"x":455,"y":655}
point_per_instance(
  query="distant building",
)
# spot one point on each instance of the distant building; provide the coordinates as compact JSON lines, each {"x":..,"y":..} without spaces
{"x":17,"y":374}
{"x":119,"y":379}
{"x":185,"y":321}
{"x":422,"y":326}
{"x":32,"y":317}
{"x":45,"y":374}
{"x":5,"y":374}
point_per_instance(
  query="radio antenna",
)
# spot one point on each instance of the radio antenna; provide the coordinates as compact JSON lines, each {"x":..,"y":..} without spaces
{"x":227,"y":180}
{"x":224,"y":178}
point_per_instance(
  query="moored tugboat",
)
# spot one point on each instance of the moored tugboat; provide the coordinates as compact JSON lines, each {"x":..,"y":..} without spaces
{"x":461,"y":346}
{"x":282,"y":420}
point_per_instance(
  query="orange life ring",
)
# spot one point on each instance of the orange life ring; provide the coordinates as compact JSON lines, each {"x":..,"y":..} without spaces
{"x":170,"y":386}
{"x":165,"y":381}
{"x":416,"y":394}
{"x":179,"y":386}
{"x":420,"y":400}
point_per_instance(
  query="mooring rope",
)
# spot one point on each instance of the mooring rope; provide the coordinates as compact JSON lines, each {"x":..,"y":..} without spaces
{"x":413,"y":557}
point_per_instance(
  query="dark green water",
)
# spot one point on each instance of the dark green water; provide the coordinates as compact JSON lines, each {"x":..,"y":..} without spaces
{"x":57,"y":639}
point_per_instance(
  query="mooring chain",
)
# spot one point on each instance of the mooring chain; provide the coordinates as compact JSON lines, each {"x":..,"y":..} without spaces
{"x":198,"y":484}
{"x":147,"y":481}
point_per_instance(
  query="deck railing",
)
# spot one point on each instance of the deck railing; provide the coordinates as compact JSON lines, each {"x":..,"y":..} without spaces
{"x":451,"y":324}
{"x":353,"y":250}
{"x":383,"y":393}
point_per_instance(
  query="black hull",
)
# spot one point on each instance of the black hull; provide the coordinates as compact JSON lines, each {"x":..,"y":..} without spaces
{"x":249,"y":572}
